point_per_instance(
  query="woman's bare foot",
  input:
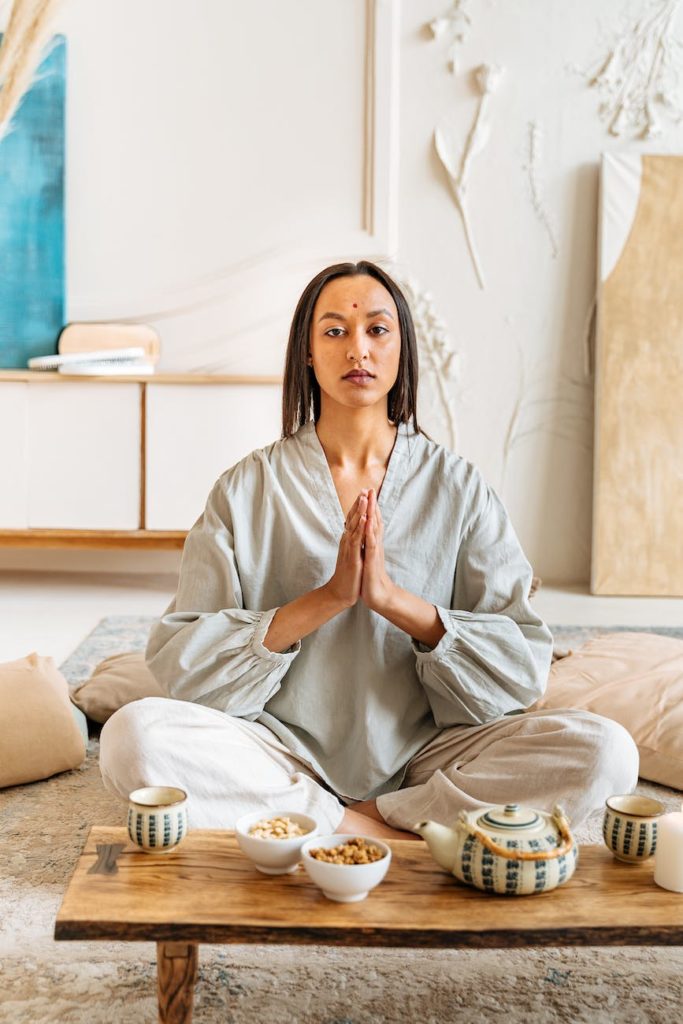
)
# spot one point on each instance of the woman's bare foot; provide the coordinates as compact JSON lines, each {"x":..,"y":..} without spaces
{"x":365,"y":824}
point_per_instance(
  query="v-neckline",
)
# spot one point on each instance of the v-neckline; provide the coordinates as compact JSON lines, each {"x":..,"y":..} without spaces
{"x":321,"y":474}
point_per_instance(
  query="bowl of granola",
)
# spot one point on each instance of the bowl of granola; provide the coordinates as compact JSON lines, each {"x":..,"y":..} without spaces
{"x":273,"y":841}
{"x":346,"y":867}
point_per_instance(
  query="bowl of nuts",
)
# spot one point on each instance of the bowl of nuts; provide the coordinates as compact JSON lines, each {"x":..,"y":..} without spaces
{"x":346,"y":867}
{"x":273,"y":841}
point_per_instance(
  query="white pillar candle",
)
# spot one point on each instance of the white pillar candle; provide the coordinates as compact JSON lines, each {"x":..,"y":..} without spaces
{"x":669,"y":852}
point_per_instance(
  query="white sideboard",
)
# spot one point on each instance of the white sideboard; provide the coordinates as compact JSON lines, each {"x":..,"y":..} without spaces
{"x":121,"y":461}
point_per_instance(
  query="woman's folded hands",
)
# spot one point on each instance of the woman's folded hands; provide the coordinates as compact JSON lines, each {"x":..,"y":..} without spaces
{"x":360,"y":571}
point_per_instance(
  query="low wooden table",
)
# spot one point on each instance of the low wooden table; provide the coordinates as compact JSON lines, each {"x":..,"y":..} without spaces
{"x":207,"y":891}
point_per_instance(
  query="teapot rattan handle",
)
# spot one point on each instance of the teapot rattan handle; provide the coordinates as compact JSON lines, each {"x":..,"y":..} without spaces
{"x":503,"y":851}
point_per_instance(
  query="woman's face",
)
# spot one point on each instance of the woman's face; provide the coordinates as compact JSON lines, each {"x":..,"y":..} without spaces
{"x":355,"y":327}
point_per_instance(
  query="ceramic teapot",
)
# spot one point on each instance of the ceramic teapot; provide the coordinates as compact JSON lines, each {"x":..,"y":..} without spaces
{"x":510,"y":850}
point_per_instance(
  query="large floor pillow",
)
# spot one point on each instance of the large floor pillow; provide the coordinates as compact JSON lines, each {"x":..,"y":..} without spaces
{"x":118,"y":680}
{"x":637,"y":680}
{"x":39,"y":735}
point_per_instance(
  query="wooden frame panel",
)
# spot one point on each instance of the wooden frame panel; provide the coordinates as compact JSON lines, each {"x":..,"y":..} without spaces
{"x":380,"y":219}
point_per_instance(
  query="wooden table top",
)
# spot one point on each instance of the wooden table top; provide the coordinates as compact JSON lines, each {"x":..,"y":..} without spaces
{"x":208,"y":891}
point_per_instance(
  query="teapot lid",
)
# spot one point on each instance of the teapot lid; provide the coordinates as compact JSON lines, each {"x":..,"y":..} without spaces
{"x":510,"y":816}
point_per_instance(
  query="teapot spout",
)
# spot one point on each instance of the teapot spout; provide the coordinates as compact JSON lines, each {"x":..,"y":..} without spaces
{"x":442,"y":842}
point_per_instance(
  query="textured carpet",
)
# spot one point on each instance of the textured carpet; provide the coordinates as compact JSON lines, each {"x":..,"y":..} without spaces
{"x":43,"y":826}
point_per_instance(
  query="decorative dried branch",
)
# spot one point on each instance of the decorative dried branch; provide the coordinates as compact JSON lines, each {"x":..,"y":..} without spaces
{"x":565,"y":413}
{"x":441,"y":359}
{"x":532,"y":169}
{"x":28,"y":31}
{"x":641,"y":72}
{"x":487,"y":78}
{"x":455,"y":22}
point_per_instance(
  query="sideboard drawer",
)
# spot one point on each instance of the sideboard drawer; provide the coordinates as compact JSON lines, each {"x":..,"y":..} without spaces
{"x":195,"y":434}
{"x":13,"y":456}
{"x":84,"y":456}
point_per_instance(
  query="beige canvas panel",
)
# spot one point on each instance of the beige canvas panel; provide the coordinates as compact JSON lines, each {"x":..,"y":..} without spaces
{"x":638,"y":482}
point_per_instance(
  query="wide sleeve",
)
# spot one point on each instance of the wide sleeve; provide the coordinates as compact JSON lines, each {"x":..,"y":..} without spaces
{"x":495,"y":655}
{"x":207,"y":647}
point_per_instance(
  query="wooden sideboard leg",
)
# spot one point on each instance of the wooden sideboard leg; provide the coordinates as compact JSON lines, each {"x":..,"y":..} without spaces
{"x":176,"y":975}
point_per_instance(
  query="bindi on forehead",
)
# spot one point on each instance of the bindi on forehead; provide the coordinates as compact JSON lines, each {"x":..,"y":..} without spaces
{"x":355,"y":305}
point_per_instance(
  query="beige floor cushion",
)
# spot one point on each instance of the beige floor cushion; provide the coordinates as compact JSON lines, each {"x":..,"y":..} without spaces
{"x":116,"y":681}
{"x":38,"y":733}
{"x":637,"y":680}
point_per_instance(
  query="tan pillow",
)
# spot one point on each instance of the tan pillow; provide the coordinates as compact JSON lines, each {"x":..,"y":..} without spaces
{"x":116,"y":681}
{"x":637,"y":680}
{"x":38,"y":733}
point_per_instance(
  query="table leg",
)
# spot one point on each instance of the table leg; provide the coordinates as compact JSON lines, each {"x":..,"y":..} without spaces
{"x":176,"y":975}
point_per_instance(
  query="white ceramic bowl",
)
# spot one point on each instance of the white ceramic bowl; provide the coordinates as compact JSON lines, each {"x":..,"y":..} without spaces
{"x":345,"y":883}
{"x":273,"y":856}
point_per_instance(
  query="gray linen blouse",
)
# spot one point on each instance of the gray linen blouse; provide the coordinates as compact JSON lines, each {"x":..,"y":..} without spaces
{"x":357,"y":698}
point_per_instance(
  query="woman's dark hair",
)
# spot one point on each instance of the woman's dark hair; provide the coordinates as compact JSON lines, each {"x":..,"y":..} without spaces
{"x":301,"y":391}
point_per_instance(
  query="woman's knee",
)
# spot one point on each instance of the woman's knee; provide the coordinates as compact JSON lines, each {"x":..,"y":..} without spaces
{"x":131,"y":742}
{"x":610,"y":753}
{"x":618,"y":756}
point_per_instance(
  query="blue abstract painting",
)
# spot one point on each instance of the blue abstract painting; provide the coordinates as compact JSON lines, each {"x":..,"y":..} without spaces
{"x":32,"y":217}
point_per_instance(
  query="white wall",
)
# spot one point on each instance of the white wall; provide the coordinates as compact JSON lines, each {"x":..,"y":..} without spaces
{"x":215,"y":161}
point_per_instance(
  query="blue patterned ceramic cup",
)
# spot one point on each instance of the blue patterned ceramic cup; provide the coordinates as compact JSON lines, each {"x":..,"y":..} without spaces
{"x":157,"y":818}
{"x":629,"y":826}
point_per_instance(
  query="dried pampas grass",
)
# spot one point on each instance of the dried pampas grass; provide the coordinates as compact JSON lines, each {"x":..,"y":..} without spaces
{"x":28,"y":31}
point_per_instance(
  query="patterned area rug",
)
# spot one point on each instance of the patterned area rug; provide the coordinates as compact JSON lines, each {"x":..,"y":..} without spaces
{"x":43,"y":828}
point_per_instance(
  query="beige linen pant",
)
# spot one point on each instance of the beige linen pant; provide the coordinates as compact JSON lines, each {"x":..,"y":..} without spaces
{"x":229,"y":766}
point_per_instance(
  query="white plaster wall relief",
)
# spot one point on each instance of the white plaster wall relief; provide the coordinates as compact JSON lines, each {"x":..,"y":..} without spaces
{"x":440,"y":363}
{"x":29,"y":30}
{"x":532,"y":168}
{"x":453,"y":25}
{"x":563,"y":410}
{"x":487,"y":78}
{"x":639,"y":79}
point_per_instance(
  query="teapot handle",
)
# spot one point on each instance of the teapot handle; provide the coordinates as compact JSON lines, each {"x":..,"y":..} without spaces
{"x":502,"y":851}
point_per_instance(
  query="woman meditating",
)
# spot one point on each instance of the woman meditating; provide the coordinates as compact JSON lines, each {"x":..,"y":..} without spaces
{"x":352,"y":635}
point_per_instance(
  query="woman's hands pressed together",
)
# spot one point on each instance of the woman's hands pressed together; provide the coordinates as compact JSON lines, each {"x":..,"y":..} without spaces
{"x":345,"y":583}
{"x":359,"y":573}
{"x":360,"y":570}
{"x":376,"y":587}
